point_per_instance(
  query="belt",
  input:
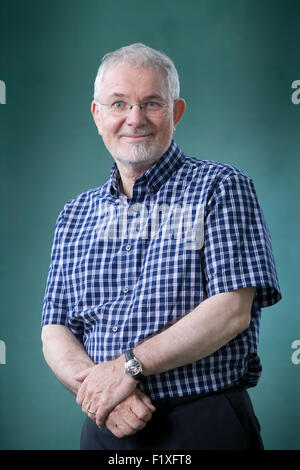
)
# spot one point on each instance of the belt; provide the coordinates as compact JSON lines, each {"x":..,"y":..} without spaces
{"x":171,"y":402}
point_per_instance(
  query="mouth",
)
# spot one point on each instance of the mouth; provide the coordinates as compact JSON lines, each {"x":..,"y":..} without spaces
{"x":136,"y":137}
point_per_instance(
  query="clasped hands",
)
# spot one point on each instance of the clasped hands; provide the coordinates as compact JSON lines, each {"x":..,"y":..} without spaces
{"x":113,"y":398}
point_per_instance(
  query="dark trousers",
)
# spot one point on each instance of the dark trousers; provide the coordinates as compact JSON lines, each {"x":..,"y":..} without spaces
{"x":219,"y":421}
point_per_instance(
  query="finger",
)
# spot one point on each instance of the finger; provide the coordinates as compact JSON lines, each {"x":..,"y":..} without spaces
{"x":83,"y":397}
{"x":80,"y":394}
{"x":146,"y":400}
{"x":91,"y":414}
{"x":87,"y":405}
{"x":133,"y":411}
{"x":128,"y":412}
{"x":119,"y":429}
{"x":103,"y":407}
{"x":123,"y":422}
{"x":133,"y":421}
{"x":81,"y":376}
{"x":141,"y":411}
{"x":91,"y":402}
{"x":101,"y":416}
{"x":83,"y":394}
{"x":149,"y":405}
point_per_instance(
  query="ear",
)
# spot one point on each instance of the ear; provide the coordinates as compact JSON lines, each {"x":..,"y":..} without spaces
{"x":96,"y":115}
{"x":178,"y":110}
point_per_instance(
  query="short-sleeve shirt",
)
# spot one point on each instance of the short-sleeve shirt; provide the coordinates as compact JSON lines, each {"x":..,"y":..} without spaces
{"x":123,"y":269}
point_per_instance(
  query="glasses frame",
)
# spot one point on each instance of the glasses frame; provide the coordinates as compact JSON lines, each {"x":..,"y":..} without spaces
{"x":130,"y":106}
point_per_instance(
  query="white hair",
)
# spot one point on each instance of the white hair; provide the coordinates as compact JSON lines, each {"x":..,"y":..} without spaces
{"x":138,"y":55}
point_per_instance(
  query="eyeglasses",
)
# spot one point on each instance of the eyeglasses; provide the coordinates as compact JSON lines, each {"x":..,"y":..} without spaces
{"x":121,"y":108}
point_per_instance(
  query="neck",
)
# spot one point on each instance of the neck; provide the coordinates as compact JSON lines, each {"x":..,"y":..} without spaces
{"x":126,"y":185}
{"x":129,"y":174}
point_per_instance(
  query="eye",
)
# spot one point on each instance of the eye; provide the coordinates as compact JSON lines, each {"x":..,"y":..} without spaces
{"x":118,"y":105}
{"x":152,"y":105}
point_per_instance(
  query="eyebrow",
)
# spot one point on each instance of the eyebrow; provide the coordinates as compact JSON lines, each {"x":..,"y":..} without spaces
{"x":117,"y":95}
{"x":148,"y":97}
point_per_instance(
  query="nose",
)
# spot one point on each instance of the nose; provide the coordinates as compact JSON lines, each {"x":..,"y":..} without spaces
{"x":135,"y":116}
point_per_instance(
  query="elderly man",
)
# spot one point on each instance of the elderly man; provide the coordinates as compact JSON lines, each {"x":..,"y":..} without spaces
{"x":157,"y":279}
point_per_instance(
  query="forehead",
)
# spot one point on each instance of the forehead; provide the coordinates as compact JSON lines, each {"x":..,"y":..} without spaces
{"x":130,"y":81}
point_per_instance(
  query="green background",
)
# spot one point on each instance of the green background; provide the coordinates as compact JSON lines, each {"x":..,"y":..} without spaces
{"x":237,"y":60}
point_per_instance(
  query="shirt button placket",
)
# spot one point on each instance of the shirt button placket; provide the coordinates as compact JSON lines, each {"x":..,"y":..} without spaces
{"x":126,"y":289}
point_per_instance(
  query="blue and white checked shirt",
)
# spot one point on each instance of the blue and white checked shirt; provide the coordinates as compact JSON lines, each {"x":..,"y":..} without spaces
{"x":122,"y":269}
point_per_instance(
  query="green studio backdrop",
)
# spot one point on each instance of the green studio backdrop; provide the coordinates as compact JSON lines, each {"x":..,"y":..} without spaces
{"x":237,"y":60}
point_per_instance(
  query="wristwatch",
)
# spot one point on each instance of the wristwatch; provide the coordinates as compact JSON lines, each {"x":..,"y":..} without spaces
{"x":133,"y":367}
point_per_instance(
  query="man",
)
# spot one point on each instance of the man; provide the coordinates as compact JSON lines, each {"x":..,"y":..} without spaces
{"x":157,"y":279}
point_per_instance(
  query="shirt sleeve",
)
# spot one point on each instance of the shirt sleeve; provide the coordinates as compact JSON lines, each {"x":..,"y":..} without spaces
{"x":237,"y":249}
{"x":54,"y":305}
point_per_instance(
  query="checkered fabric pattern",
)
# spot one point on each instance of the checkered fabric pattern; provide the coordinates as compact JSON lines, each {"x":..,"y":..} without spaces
{"x":122,"y":269}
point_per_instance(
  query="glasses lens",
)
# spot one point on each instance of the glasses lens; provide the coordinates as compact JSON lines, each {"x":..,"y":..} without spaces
{"x":120,"y":108}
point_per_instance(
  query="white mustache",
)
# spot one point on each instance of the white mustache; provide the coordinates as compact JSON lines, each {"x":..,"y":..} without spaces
{"x":138,"y":131}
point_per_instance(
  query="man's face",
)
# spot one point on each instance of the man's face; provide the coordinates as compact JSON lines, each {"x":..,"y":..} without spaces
{"x":136,"y":136}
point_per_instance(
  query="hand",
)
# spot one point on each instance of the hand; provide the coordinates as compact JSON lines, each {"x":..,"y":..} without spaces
{"x":103,"y":387}
{"x":131,"y":415}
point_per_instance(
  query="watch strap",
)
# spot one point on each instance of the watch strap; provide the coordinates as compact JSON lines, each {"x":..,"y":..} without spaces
{"x":129,"y":355}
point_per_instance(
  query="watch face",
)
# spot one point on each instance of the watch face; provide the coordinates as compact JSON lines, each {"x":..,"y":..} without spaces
{"x":133,"y":367}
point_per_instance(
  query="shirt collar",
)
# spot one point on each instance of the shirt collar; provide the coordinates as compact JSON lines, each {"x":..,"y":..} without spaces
{"x":156,"y":175}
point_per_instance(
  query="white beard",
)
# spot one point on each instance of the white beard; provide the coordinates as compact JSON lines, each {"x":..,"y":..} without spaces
{"x":140,"y":152}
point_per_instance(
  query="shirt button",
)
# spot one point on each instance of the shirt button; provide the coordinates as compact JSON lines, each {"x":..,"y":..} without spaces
{"x":115,"y":329}
{"x":128,"y":247}
{"x":125,"y":290}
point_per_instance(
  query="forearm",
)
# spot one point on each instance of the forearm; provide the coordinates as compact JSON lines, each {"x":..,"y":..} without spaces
{"x":67,"y":358}
{"x":64,"y":354}
{"x":198,"y":334}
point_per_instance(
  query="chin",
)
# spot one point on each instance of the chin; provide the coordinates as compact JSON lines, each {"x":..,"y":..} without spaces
{"x":139,"y":152}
